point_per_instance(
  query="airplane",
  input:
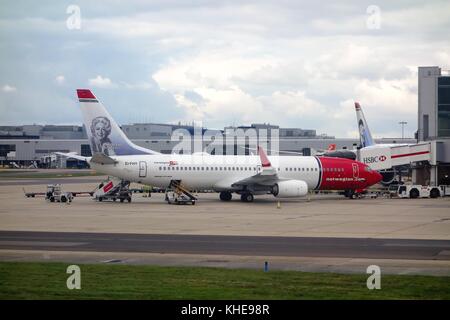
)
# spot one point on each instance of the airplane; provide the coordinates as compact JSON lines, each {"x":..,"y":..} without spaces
{"x":247,"y":175}
{"x":332,"y":151}
{"x":367,"y":142}
{"x":365,"y":137}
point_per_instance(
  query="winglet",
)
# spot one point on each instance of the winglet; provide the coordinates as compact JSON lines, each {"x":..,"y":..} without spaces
{"x":357,"y":106}
{"x":264,"y":160}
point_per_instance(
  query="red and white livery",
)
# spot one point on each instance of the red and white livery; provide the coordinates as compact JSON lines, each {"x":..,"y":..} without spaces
{"x":283,"y":176}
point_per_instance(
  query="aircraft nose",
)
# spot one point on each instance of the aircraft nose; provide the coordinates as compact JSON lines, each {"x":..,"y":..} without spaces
{"x":377,"y":177}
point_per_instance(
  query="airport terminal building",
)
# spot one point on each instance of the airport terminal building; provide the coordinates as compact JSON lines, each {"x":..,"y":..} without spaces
{"x":434,"y":126}
{"x":27,"y":144}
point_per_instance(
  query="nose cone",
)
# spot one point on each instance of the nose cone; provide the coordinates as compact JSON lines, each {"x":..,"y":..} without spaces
{"x":377,"y":177}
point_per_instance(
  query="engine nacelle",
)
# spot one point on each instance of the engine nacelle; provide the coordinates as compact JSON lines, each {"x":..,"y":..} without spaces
{"x":388,"y":176}
{"x":290,"y":188}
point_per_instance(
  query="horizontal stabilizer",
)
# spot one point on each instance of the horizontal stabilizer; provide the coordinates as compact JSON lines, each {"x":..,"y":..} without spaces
{"x":102,"y":159}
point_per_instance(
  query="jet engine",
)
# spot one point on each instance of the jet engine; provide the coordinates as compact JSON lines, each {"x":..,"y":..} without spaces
{"x":290,"y":188}
{"x":388,"y":176}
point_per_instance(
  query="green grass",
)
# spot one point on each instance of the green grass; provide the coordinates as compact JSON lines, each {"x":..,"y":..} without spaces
{"x":24,"y":280}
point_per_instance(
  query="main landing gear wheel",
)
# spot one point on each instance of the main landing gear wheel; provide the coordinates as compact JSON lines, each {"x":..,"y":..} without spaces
{"x":247,"y":197}
{"x":225,"y":196}
{"x":349,"y":193}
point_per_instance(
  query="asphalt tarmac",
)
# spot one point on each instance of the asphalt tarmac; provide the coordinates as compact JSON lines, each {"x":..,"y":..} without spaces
{"x":228,"y":245}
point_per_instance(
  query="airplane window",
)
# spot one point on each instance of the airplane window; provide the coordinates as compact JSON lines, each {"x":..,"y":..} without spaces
{"x":178,"y":168}
{"x":295,"y":169}
{"x":203,"y":168}
{"x":307,"y":169}
{"x":160,"y":168}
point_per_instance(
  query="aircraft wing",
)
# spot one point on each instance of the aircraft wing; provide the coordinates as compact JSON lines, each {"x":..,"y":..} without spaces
{"x":266,"y":177}
{"x":74,"y":156}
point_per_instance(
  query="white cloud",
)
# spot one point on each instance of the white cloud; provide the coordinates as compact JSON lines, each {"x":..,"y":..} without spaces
{"x":101,"y":82}
{"x":60,"y":79}
{"x":8,"y":88}
{"x":296,"y":64}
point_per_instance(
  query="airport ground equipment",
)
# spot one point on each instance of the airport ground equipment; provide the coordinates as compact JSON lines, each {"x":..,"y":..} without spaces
{"x":445,"y":190}
{"x":56,"y":194}
{"x":176,"y":193}
{"x":44,"y":194}
{"x":113,"y":189}
{"x":382,"y":158}
{"x":418,"y":191}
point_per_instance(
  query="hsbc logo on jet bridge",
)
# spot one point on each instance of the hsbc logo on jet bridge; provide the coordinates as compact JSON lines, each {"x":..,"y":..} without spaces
{"x":374,"y":159}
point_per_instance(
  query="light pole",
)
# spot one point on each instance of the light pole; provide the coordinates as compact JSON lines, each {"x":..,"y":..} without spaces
{"x":403,"y":123}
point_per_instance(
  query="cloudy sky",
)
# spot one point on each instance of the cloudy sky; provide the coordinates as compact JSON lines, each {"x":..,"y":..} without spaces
{"x":292,"y":63}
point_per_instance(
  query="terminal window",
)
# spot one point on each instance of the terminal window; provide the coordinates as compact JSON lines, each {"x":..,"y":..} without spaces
{"x":6,"y":148}
{"x":444,"y":107}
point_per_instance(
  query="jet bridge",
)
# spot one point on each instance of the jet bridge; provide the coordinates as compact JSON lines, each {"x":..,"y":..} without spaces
{"x":380,"y":158}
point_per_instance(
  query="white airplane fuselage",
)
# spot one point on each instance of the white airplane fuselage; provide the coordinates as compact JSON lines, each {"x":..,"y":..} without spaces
{"x":220,"y":172}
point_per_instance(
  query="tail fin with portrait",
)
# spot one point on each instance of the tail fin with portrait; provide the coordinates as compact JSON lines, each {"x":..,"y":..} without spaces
{"x":104,"y":134}
{"x":365,"y":137}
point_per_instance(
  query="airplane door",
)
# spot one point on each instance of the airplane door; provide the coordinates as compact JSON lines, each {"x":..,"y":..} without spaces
{"x":258,"y":169}
{"x":355,"y":170}
{"x":142,"y":169}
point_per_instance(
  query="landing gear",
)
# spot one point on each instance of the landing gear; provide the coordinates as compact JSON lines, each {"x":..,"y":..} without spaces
{"x":247,"y":197}
{"x":349,"y":193}
{"x":353,"y":194}
{"x":225,"y":196}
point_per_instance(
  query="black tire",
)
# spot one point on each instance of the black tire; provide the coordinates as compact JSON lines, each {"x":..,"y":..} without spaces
{"x":63,"y":199}
{"x":225,"y":196}
{"x":247,"y":197}
{"x":121,"y":200}
{"x":414,"y":193}
{"x":435,"y":193}
{"x":349,"y":193}
{"x":129,"y":199}
{"x":100,"y":199}
{"x":52,"y":199}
